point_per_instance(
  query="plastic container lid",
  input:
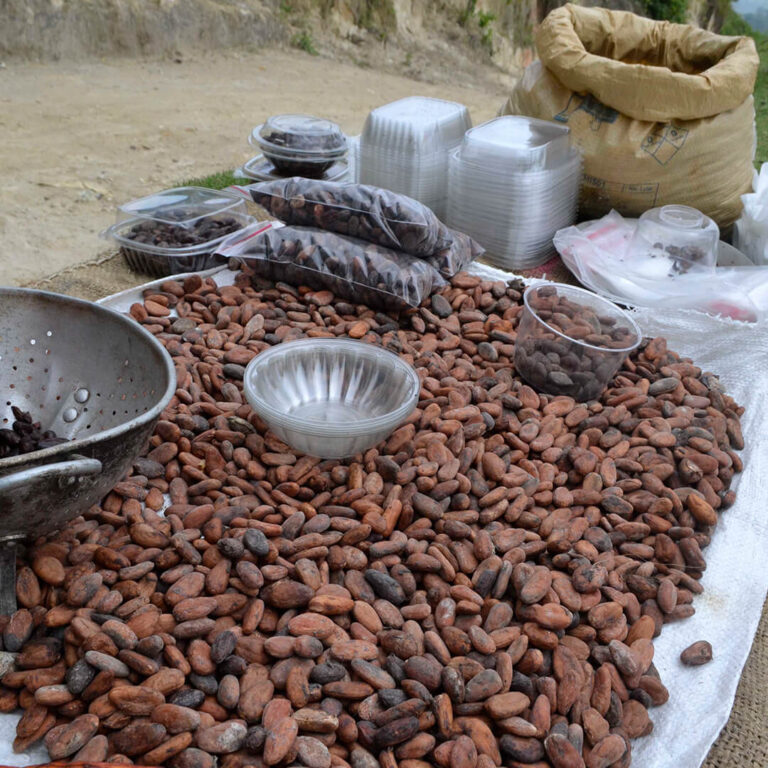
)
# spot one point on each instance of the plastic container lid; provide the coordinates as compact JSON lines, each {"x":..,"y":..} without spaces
{"x":416,"y":122}
{"x":181,"y":206}
{"x":259,"y":168}
{"x":671,"y":241}
{"x":299,"y":136}
{"x":518,"y":142}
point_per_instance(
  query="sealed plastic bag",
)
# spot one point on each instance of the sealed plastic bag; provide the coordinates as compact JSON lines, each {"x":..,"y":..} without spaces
{"x":456,"y":254}
{"x":352,"y":269}
{"x":663,"y":113}
{"x":596,"y":253}
{"x":370,"y":213}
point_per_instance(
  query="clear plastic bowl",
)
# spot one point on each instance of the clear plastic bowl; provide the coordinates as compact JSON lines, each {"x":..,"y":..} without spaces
{"x":671,"y":241}
{"x":331,"y":398}
{"x":300,"y":145}
{"x":572,"y":342}
{"x":177,"y":230}
{"x":518,"y":143}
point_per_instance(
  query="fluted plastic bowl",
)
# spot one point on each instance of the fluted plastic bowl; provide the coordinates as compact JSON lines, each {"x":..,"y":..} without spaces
{"x":331,"y":398}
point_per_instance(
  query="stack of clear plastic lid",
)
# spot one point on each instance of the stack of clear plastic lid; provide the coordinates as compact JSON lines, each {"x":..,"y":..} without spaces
{"x":512,"y":184}
{"x":405,"y":147}
{"x":176,"y":230}
{"x":300,"y":145}
{"x":671,"y":241}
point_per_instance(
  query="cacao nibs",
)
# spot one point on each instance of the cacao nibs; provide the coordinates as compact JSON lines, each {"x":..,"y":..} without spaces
{"x":26,"y":435}
{"x":481,"y":589}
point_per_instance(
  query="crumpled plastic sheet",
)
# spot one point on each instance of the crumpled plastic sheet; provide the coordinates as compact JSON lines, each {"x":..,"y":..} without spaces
{"x":736,"y":579}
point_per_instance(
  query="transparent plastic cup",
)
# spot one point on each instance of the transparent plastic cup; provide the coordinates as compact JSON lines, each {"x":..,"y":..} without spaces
{"x":673,"y":240}
{"x":331,"y":398}
{"x":572,"y":342}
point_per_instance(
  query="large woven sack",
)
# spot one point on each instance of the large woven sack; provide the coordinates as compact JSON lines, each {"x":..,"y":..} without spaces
{"x":662,"y":112}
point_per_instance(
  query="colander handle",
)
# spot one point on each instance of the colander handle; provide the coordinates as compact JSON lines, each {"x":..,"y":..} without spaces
{"x":7,"y":578}
{"x":67,"y":471}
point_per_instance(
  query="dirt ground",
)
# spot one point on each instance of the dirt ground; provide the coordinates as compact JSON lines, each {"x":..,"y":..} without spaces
{"x":80,"y":138}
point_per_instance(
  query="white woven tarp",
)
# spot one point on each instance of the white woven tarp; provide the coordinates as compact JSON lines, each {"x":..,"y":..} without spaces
{"x":736,"y":579}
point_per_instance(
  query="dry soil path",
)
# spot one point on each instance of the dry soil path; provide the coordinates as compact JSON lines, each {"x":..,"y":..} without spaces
{"x":77,"y":139}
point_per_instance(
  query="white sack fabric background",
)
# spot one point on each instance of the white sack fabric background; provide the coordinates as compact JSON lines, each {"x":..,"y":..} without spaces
{"x":736,"y":579}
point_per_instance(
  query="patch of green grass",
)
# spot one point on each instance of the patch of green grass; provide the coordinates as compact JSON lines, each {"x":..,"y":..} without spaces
{"x":304,"y":41}
{"x":735,"y":25}
{"x":215,"y":181}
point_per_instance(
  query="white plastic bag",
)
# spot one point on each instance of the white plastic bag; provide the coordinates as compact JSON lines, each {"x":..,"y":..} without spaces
{"x":750,"y":232}
{"x":596,"y":253}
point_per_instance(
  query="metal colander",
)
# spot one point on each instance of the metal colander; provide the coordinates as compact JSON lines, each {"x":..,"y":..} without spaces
{"x":92,"y":376}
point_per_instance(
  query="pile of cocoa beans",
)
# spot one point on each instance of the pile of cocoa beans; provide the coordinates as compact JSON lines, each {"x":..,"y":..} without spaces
{"x":482,"y":589}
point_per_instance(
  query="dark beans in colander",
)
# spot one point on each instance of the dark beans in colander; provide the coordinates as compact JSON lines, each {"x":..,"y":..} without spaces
{"x":25,"y":436}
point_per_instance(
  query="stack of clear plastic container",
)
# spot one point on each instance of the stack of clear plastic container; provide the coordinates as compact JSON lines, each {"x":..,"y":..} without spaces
{"x":405,"y":147}
{"x":176,"y":230}
{"x":513,"y":182}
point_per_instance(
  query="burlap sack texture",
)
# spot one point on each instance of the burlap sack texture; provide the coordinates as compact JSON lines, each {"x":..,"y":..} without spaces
{"x":743,"y":742}
{"x":662,"y":112}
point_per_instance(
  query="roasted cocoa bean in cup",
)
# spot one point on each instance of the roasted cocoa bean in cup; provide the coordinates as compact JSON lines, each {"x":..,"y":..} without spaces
{"x":572,"y":342}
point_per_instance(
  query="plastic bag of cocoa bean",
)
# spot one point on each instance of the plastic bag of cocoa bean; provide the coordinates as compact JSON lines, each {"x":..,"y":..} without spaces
{"x":352,"y":269}
{"x":457,"y":255}
{"x":369,"y":213}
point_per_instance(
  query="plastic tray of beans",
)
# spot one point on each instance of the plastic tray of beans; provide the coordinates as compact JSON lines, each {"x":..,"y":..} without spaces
{"x":177,"y":230}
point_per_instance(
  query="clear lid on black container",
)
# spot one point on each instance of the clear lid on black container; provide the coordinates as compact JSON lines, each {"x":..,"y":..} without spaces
{"x":301,"y":136}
